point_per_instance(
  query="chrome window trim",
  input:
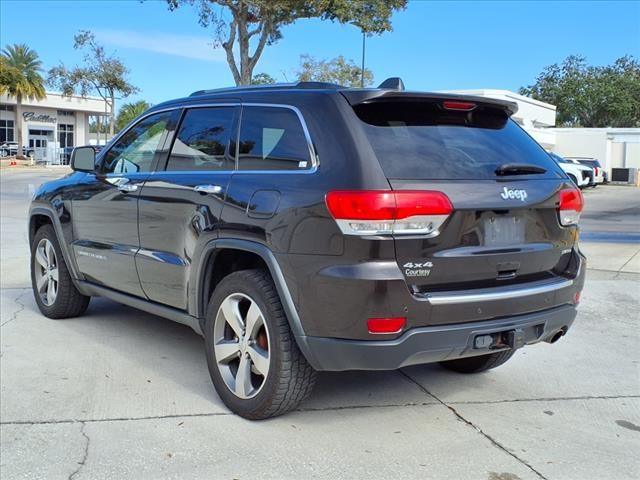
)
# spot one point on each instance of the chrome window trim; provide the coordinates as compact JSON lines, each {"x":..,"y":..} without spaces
{"x":315,"y":160}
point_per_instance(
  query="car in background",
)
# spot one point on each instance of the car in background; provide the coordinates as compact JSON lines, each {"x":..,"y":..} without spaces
{"x":600,"y":175}
{"x":11,"y":148}
{"x":581,"y":175}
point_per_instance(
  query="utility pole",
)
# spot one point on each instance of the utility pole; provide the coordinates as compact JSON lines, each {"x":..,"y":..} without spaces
{"x":362,"y":69}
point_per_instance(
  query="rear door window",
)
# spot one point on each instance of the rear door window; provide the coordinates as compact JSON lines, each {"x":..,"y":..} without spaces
{"x":272,"y":138}
{"x":420,"y":140}
{"x":203,"y":141}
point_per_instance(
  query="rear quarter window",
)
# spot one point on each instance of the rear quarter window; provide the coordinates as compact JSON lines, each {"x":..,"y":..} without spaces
{"x":420,"y":140}
{"x":272,"y":138}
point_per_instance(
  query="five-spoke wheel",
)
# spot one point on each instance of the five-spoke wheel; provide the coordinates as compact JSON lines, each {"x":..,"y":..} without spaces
{"x":53,"y":287}
{"x":253,"y":358}
{"x":46,"y":272}
{"x":241,"y":345}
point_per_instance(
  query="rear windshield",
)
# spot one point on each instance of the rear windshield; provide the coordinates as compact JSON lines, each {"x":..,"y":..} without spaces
{"x":422,"y":140}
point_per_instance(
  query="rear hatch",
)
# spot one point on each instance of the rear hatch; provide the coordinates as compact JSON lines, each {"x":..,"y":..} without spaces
{"x":504,"y":227}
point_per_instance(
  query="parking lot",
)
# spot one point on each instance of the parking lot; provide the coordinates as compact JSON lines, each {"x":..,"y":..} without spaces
{"x":118,"y":393}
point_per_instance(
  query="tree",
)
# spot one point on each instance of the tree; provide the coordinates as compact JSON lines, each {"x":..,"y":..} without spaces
{"x":261,"y":22}
{"x":20,"y":77}
{"x":262,"y":79}
{"x":337,"y":70}
{"x":591,"y":96}
{"x":101,"y":73}
{"x":130,"y":111}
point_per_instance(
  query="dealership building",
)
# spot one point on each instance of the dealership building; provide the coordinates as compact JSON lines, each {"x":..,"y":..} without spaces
{"x":50,"y":124}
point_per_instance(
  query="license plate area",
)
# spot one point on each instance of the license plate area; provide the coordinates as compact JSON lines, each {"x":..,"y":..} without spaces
{"x":503,"y":230}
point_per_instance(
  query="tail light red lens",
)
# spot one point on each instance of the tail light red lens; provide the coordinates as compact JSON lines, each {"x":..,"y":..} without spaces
{"x":379,"y":212}
{"x":386,"y":325}
{"x":571,"y":204}
{"x":457,"y":105}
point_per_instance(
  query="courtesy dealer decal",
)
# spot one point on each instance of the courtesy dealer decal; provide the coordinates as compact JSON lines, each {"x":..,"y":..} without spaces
{"x":420,"y":269}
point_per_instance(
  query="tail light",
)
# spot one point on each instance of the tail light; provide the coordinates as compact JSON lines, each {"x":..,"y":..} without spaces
{"x":571,"y":204}
{"x":385,"y":212}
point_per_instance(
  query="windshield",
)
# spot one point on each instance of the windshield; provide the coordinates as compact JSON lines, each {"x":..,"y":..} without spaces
{"x":422,"y":140}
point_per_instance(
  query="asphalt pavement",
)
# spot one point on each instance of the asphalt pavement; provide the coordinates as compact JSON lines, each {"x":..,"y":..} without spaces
{"x":119,"y":393}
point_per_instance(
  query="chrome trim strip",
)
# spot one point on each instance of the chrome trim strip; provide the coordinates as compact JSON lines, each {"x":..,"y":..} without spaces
{"x":315,"y":159}
{"x":486,"y":295}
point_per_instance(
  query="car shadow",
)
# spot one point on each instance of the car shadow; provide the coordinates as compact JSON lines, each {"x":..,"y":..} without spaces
{"x":174,"y":355}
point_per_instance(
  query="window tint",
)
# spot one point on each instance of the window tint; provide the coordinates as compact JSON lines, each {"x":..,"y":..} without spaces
{"x":202,"y":142}
{"x":421,"y":140}
{"x":272,"y":138}
{"x":135,"y":150}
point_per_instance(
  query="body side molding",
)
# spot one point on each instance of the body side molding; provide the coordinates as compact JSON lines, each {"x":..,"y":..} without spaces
{"x":142,"y":304}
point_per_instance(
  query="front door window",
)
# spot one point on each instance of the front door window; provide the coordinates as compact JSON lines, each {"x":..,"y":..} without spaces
{"x":135,"y":151}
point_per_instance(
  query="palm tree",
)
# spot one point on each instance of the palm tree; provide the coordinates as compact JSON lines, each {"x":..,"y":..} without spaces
{"x":129,"y":111}
{"x":28,"y":83}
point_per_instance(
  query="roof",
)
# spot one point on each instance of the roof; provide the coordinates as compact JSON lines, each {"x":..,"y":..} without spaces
{"x":353,"y":95}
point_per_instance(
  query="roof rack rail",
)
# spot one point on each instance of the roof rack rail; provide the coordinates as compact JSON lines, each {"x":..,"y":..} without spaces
{"x":270,"y":86}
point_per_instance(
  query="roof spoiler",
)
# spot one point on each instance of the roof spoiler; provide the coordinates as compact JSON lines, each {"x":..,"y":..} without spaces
{"x":356,"y":97}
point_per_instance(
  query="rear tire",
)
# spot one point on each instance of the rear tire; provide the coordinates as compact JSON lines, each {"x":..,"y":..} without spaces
{"x":252,"y":355}
{"x":478,"y":364}
{"x":53,"y":288}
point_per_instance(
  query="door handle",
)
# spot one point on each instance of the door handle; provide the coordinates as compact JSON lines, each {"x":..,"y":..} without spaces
{"x":123,"y":184}
{"x":206,"y":189}
{"x":128,"y":187}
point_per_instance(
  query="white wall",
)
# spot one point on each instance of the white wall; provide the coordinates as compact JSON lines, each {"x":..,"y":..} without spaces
{"x":95,"y":105}
{"x":614,"y":147}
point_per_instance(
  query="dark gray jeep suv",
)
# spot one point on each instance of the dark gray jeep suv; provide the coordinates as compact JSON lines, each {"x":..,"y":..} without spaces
{"x":314,"y":227}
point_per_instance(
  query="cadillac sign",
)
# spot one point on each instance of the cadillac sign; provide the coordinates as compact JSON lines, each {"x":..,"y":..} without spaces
{"x":32,"y":117}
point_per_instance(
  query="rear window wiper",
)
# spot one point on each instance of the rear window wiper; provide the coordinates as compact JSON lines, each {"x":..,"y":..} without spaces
{"x":518,"y":169}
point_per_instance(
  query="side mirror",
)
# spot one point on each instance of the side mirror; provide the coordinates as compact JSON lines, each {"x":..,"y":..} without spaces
{"x":83,"y":159}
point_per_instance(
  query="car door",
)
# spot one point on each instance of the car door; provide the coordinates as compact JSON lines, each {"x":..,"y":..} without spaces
{"x":105,"y":206}
{"x":180,"y":205}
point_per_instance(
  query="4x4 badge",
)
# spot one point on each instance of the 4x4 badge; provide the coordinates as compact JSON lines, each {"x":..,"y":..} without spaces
{"x":417,"y":269}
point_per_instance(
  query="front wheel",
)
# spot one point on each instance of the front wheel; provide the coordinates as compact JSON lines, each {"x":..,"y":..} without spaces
{"x":252,"y":355}
{"x":478,"y":364}
{"x":53,"y":288}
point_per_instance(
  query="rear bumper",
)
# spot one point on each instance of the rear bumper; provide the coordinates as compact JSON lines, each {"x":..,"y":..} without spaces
{"x":432,"y":344}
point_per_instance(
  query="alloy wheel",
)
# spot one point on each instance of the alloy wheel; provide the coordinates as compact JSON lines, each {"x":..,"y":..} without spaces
{"x":241,"y":345}
{"x":46,"y":272}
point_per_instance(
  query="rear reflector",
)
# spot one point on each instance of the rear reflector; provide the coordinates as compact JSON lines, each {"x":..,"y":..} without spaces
{"x":386,"y":325}
{"x":576,"y":297}
{"x":571,"y":204}
{"x":380,"y":212}
{"x":455,"y":105}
